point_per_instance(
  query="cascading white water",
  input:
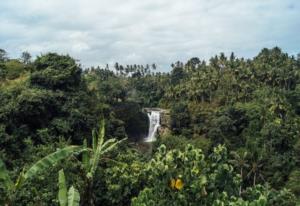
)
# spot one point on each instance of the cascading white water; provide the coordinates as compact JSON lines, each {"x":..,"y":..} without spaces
{"x":154,"y":123}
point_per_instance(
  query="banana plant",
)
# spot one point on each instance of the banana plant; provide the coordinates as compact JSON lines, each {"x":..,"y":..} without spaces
{"x":37,"y":168}
{"x":91,"y":158}
{"x":66,"y":197}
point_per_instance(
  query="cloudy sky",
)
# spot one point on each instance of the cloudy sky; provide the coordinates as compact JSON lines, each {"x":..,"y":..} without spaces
{"x":145,"y":31}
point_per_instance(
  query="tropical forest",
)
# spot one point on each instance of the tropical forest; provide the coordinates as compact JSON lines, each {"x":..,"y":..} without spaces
{"x":217,"y":132}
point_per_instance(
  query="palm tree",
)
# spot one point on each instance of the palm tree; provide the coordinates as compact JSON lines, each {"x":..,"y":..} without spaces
{"x":240,"y":162}
{"x":255,"y":169}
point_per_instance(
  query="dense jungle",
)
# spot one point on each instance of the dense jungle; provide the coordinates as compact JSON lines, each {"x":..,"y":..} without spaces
{"x":75,"y":136}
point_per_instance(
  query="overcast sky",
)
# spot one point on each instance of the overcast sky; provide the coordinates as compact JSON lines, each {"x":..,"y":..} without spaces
{"x":145,"y":31}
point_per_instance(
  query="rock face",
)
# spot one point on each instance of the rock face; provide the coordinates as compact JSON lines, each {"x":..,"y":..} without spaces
{"x":165,"y":120}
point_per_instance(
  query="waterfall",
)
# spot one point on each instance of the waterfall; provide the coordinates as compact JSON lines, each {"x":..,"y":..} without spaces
{"x":154,"y":123}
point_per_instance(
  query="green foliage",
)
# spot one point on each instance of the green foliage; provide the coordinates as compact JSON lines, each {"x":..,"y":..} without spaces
{"x":40,"y":166}
{"x":26,"y":57}
{"x":14,"y":69}
{"x":206,"y":181}
{"x":49,"y":161}
{"x":99,"y":148}
{"x":4,"y":176}
{"x":251,"y":106}
{"x":293,"y":182}
{"x":119,"y":180}
{"x":179,"y":142}
{"x":136,"y":122}
{"x":180,"y":118}
{"x":271,"y":196}
{"x":91,"y":158}
{"x":63,"y":192}
{"x":54,"y":71}
{"x":148,"y":90}
{"x":6,"y":184}
{"x":177,"y":73}
{"x":3,"y":55}
{"x":202,"y":181}
{"x":42,"y":112}
{"x":73,"y":197}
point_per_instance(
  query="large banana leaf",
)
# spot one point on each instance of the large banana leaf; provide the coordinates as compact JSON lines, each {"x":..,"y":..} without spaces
{"x":63,"y":192}
{"x":73,"y":197}
{"x":98,"y":137}
{"x":101,"y":148}
{"x":97,"y":150}
{"x":4,"y":176}
{"x":109,"y":145}
{"x":101,"y":133}
{"x":51,"y":160}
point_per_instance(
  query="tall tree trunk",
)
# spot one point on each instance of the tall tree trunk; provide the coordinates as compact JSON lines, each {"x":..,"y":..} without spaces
{"x":240,"y":192}
{"x":88,"y":198}
{"x":254,"y":179}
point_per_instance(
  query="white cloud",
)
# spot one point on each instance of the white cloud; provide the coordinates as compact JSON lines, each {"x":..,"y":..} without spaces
{"x":134,"y":31}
